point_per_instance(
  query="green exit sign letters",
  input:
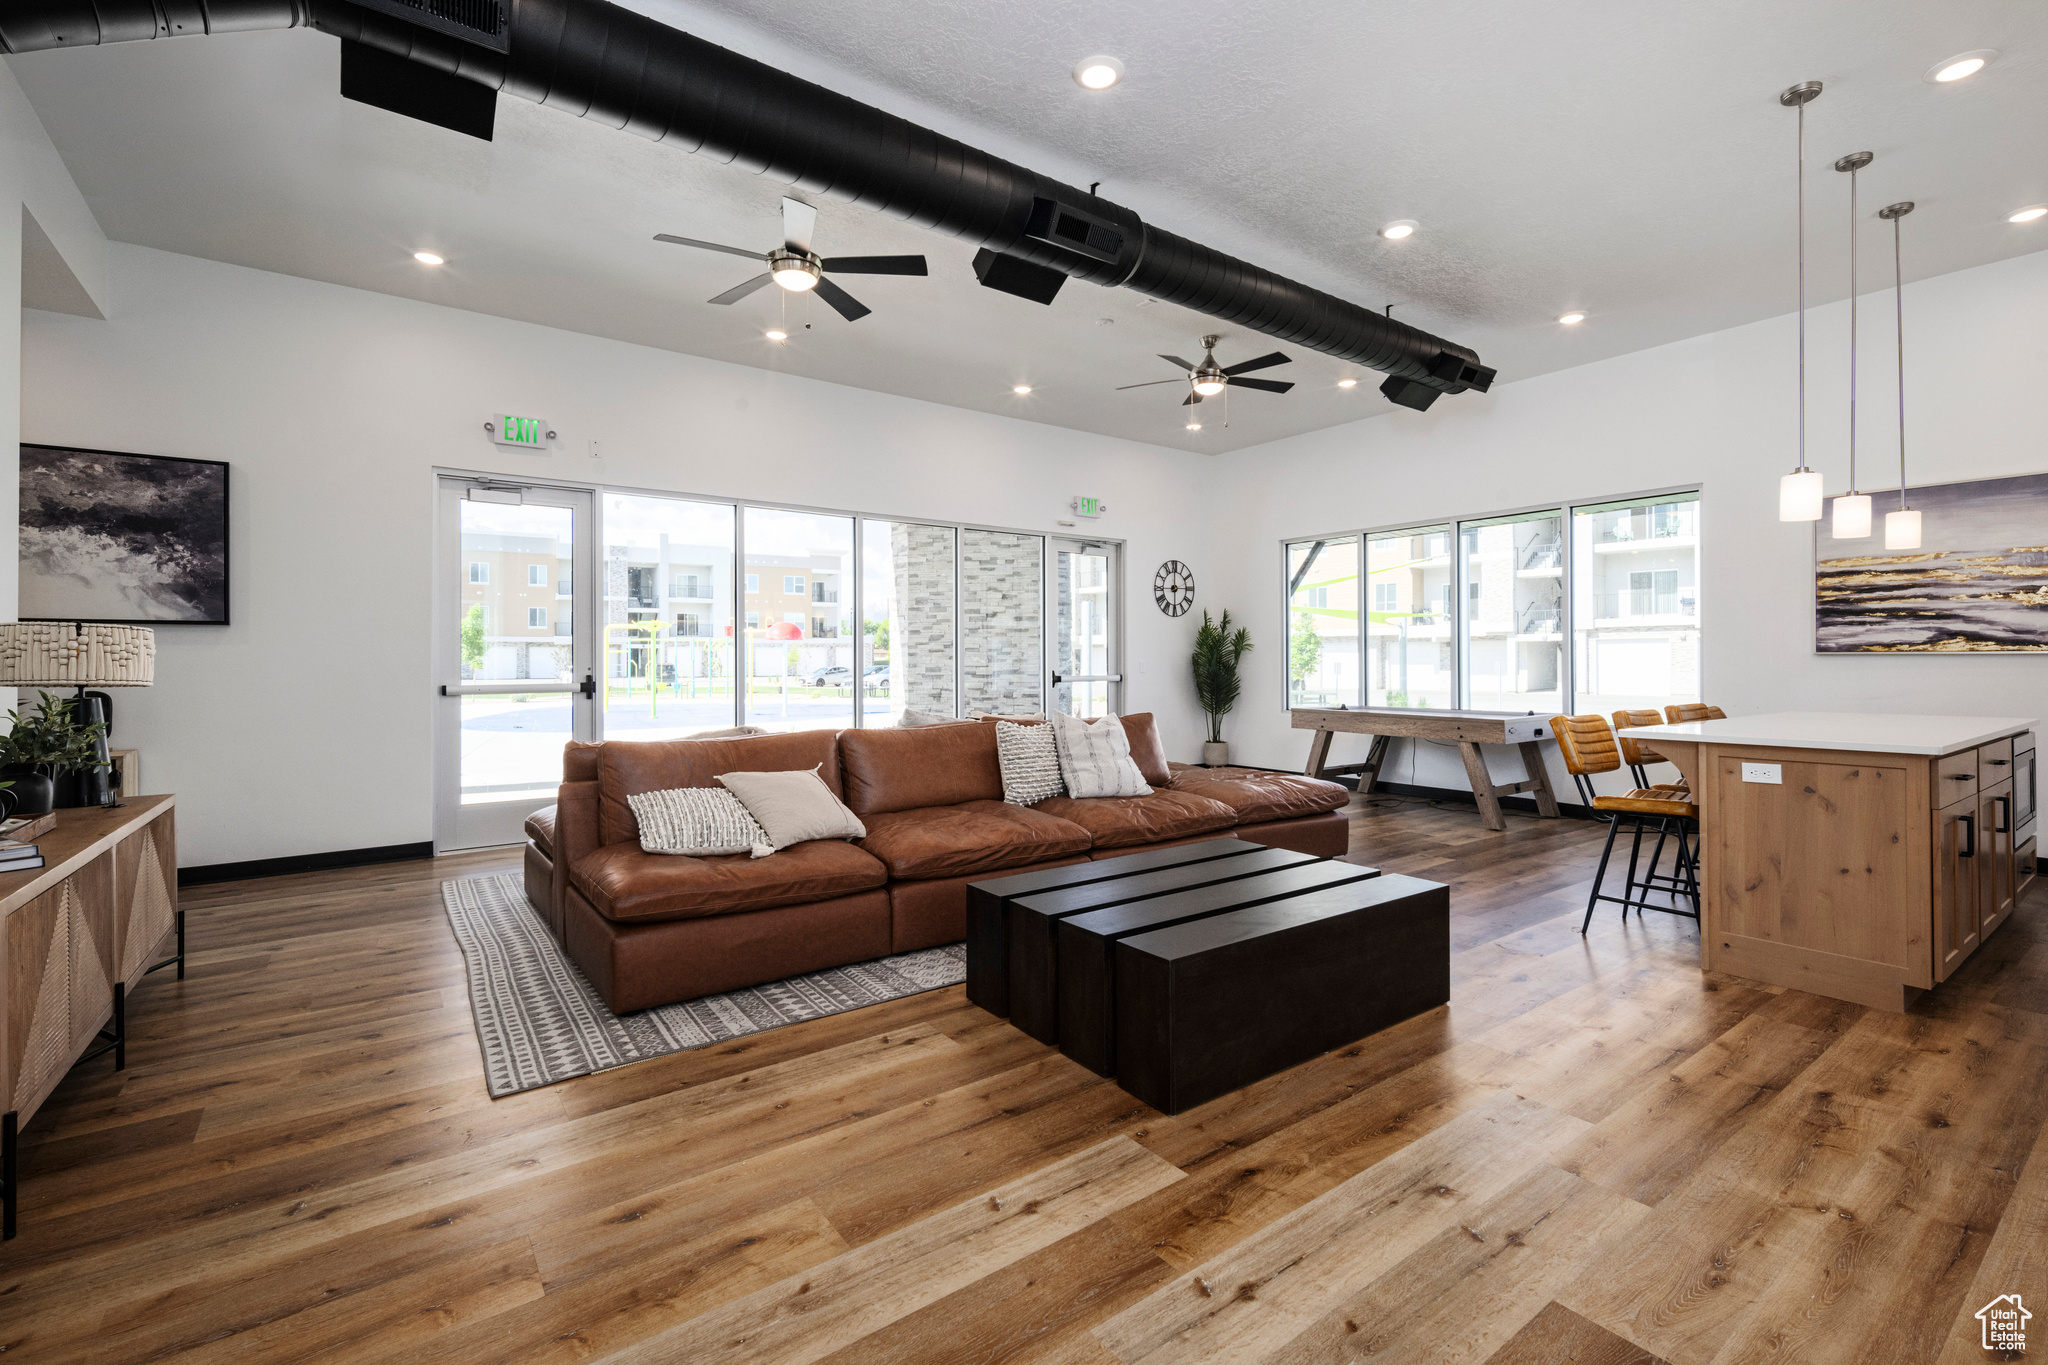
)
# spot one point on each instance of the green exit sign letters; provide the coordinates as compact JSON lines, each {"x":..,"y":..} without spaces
{"x":1089,"y":507}
{"x":525,"y":433}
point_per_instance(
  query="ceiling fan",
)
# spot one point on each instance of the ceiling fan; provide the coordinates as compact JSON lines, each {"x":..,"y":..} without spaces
{"x":1209,"y":379}
{"x":797,"y":268}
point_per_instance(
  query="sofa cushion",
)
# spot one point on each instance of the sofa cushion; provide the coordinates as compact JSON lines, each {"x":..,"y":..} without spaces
{"x":928,"y":765}
{"x":1257,"y":796}
{"x":970,"y":837}
{"x":540,"y":827}
{"x":627,"y":767}
{"x":1128,"y":821}
{"x":628,"y":885}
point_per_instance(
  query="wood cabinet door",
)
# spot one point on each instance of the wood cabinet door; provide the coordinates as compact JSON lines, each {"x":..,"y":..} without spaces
{"x":1958,"y":842}
{"x":1998,"y":870}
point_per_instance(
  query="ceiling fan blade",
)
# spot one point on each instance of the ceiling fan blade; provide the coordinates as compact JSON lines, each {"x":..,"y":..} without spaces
{"x":1191,"y":398}
{"x":875,"y":265}
{"x":799,"y":223}
{"x":1176,"y":360}
{"x":740,"y":291}
{"x":1269,"y":385}
{"x":1246,"y":367}
{"x":711,"y":246}
{"x":843,"y":303}
{"x":1149,"y":383}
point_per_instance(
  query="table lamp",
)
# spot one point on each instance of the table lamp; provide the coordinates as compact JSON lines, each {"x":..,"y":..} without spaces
{"x":61,"y":654}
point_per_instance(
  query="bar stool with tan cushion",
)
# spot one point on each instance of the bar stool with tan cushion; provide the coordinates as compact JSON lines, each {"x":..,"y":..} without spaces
{"x":1692,"y":710}
{"x":1638,"y":755}
{"x":1588,"y":748}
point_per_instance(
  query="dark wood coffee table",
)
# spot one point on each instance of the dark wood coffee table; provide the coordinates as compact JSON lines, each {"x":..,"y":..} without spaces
{"x":1191,"y":979}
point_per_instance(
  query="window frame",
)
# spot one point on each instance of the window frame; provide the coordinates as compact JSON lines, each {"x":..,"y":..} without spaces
{"x":1460,"y":585}
{"x":542,"y":613}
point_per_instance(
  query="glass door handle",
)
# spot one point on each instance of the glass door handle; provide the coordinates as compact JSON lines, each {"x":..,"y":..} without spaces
{"x":500,"y":689}
{"x":588,"y":687}
{"x":1086,"y":677}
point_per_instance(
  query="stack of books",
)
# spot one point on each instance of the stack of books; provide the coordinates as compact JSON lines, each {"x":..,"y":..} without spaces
{"x":16,"y":856}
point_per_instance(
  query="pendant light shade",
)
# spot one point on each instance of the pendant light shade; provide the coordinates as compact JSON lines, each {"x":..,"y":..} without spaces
{"x":1799,"y":496}
{"x":1799,"y":493}
{"x":1852,"y":511}
{"x":1852,"y":516}
{"x":1901,"y":528}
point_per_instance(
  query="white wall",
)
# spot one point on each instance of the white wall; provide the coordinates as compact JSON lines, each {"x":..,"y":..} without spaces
{"x":1718,"y":411}
{"x":306,"y":725}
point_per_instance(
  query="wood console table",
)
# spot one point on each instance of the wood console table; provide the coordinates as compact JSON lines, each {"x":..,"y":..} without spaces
{"x":1861,"y":857}
{"x":81,"y":932}
{"x":1467,"y":729}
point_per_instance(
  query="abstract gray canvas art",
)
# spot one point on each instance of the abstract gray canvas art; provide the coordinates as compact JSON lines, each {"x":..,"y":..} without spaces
{"x":136,"y":539}
{"x":1978,"y":584}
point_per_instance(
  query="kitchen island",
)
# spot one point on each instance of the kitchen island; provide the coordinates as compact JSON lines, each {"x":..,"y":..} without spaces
{"x":1862,"y":857}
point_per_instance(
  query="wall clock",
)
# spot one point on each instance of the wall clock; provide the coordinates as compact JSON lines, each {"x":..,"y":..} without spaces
{"x":1173,"y":588}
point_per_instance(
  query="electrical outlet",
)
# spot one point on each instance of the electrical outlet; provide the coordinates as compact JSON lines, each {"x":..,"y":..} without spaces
{"x":1763,"y":772}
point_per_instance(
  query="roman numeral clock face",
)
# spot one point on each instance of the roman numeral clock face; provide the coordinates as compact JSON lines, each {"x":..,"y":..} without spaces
{"x":1173,"y":588}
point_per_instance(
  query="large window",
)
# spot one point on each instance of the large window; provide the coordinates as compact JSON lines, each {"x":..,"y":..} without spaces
{"x":666,"y":674}
{"x":1513,"y":630}
{"x":799,"y":668}
{"x":1322,"y":622}
{"x":907,"y":602}
{"x":1486,"y":628}
{"x":1408,"y":636}
{"x":1636,"y":602}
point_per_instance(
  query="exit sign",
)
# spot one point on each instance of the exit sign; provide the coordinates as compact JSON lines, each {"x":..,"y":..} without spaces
{"x":1089,"y":507}
{"x":527,"y":433}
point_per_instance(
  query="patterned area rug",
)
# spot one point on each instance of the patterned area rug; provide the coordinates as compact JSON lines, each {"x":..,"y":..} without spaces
{"x":538,"y":1021}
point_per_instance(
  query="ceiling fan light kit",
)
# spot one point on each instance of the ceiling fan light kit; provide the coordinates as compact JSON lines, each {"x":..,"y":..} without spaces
{"x":798,"y":269}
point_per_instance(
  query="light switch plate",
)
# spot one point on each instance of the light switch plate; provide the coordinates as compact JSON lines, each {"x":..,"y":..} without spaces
{"x":1762,"y":772}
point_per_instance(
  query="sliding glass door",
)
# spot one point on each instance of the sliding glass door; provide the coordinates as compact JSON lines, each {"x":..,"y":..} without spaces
{"x":513,"y":653}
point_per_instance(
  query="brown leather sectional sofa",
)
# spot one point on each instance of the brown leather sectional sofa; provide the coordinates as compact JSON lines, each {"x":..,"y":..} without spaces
{"x":650,"y":929}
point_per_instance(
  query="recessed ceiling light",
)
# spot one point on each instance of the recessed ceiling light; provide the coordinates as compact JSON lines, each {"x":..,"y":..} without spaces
{"x":2029,"y":214}
{"x":1020,"y":389}
{"x":1399,"y":228}
{"x":1098,"y":73}
{"x":1959,"y":67}
{"x":427,"y":258}
{"x":1347,"y":383}
{"x":777,"y":334}
{"x":1194,"y":426}
{"x":1570,"y":319}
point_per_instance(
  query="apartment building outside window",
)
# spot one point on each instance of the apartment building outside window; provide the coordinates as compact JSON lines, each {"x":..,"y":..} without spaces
{"x":536,"y":575}
{"x":792,"y":583}
{"x":479,"y":572}
{"x":1590,"y":607}
{"x":536,"y":617}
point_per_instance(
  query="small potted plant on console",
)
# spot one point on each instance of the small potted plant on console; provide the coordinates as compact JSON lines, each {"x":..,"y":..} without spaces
{"x":41,"y":744}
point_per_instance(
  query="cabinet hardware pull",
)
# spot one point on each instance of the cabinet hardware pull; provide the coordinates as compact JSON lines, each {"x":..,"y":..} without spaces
{"x":1962,"y":777}
{"x":1998,"y":762}
{"x":2006,"y":828}
{"x":1969,"y":850}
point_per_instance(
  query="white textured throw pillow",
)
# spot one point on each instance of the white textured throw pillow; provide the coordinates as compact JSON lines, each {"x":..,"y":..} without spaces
{"x":1030,"y":761}
{"x":911,"y":719}
{"x":700,"y":822}
{"x":794,"y":807}
{"x":1095,"y":760}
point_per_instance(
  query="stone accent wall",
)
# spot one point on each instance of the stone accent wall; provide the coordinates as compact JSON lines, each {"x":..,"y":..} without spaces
{"x":1002,"y":621}
{"x":921,"y":618}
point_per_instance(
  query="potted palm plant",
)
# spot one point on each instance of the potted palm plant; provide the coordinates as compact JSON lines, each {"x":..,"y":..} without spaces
{"x":1218,"y":650}
{"x":39,"y":745}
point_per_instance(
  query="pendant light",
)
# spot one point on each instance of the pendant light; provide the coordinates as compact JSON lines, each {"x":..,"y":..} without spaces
{"x":1901,"y":528}
{"x":1799,"y":493}
{"x":1852,"y":509}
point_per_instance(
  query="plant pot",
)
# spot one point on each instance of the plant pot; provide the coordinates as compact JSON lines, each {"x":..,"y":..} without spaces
{"x":1215,"y":755}
{"x":34,"y":794}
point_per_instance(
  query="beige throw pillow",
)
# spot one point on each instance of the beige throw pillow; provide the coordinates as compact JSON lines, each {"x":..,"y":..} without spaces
{"x":1095,"y":760}
{"x":794,"y":807}
{"x":698,"y":822}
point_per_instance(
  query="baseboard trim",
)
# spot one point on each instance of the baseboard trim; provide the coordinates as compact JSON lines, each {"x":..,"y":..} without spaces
{"x":303,"y":862}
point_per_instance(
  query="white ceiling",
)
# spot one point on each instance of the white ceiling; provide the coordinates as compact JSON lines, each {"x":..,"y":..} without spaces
{"x":1628,"y":160}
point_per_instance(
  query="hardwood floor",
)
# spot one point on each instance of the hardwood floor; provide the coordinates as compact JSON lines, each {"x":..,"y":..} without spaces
{"x":1594,"y":1154}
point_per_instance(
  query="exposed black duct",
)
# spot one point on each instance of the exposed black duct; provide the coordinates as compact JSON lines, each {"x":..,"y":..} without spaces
{"x":598,"y":61}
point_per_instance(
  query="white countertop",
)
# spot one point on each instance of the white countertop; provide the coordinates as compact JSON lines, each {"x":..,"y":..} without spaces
{"x":1859,"y":731}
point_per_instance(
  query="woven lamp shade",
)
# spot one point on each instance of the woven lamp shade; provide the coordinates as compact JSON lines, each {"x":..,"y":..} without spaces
{"x":60,"y":654}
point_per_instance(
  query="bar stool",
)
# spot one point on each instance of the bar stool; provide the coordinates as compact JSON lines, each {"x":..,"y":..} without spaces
{"x":1588,"y":748}
{"x":1638,"y":756}
{"x":1692,"y":710}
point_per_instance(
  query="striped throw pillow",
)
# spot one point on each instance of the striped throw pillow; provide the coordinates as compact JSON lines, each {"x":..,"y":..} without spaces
{"x":700,"y":822}
{"x":1030,"y":761}
{"x":1095,"y":760}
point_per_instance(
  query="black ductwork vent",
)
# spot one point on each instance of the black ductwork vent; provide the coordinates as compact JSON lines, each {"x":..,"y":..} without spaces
{"x":596,"y":60}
